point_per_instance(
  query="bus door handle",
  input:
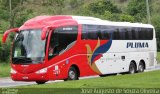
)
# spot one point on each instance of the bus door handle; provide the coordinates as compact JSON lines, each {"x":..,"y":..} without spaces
{"x":123,"y":58}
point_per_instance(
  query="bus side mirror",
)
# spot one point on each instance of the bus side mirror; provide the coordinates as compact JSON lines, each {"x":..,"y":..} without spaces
{"x":5,"y":35}
{"x":44,"y":32}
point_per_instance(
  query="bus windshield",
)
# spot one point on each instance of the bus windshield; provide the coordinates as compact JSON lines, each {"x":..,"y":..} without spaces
{"x":28,"y":47}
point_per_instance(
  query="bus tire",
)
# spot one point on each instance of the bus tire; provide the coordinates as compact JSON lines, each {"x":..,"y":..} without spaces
{"x":72,"y":73}
{"x":40,"y":82}
{"x":132,"y":68}
{"x":141,"y":67}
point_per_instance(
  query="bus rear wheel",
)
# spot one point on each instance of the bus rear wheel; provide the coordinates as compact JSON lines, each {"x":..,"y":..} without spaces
{"x":40,"y":82}
{"x":141,"y":67}
{"x":132,"y":68}
{"x":72,"y":74}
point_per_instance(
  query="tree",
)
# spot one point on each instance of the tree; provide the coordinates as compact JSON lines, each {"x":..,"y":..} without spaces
{"x":16,"y":7}
{"x":127,"y":18}
{"x":101,"y":6}
{"x":156,"y":23}
{"x":103,"y":9}
{"x":137,"y":8}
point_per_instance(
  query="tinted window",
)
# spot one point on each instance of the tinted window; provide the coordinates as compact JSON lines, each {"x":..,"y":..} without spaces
{"x":143,"y":34}
{"x":116,"y":33}
{"x":122,"y":33}
{"x":61,"y":38}
{"x":106,"y":32}
{"x":149,"y":33}
{"x":93,"y":32}
{"x":90,"y":32}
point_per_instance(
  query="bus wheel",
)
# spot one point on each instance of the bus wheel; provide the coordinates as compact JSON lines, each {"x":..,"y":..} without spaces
{"x":40,"y":82}
{"x":141,"y":67}
{"x":72,"y":74}
{"x":132,"y":68}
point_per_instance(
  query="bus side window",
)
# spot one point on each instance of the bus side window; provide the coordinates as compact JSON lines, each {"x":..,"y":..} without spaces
{"x":133,"y":34}
{"x":137,"y":31}
{"x":53,"y":44}
{"x":62,"y":37}
{"x":127,"y":34}
{"x":106,"y":32}
{"x":84,"y":33}
{"x":116,"y":34}
{"x":90,"y":32}
{"x":123,"y":33}
{"x":142,"y":34}
{"x":104,"y":35}
{"x":149,"y":34}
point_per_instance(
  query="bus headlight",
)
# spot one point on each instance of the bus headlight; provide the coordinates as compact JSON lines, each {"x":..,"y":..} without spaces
{"x":44,"y":70}
{"x":13,"y":71}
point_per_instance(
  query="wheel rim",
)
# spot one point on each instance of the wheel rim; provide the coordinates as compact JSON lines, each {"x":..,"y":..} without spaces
{"x":132,"y":70}
{"x":72,"y":75}
{"x":141,"y":68}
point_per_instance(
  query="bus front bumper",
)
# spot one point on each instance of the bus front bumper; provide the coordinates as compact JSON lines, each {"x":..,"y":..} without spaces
{"x":29,"y":77}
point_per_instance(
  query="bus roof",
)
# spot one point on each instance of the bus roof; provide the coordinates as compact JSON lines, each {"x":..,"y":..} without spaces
{"x":97,"y":21}
{"x":42,"y":21}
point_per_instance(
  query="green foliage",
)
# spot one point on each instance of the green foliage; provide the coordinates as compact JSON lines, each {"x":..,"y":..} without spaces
{"x":101,"y":6}
{"x":11,"y":15}
{"x":3,"y":14}
{"x":137,"y":8}
{"x":3,"y":26}
{"x":156,"y":23}
{"x":107,"y":15}
{"x":4,"y":52}
{"x":103,"y":9}
{"x":24,"y":15}
{"x":127,"y":18}
{"x":4,"y":69}
{"x":75,"y":3}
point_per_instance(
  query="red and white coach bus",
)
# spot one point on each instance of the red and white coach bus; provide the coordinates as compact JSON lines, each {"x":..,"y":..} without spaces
{"x":68,"y":47}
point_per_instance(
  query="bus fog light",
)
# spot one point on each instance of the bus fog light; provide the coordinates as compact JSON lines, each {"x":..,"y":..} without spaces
{"x":13,"y":71}
{"x":44,"y":70}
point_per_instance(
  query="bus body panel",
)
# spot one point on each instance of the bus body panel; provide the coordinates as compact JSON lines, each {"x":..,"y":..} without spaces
{"x":91,"y":57}
{"x":114,"y":62}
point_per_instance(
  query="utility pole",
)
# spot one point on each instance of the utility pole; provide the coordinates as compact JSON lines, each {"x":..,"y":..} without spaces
{"x":10,"y":6}
{"x":10,"y":9}
{"x":148,"y":12}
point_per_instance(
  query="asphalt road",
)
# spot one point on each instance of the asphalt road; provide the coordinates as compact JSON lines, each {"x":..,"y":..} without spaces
{"x":8,"y":82}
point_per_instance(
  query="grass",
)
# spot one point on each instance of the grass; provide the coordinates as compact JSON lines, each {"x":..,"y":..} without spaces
{"x":4,"y":69}
{"x":135,"y":81}
{"x":139,"y":80}
{"x":1,"y":37}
